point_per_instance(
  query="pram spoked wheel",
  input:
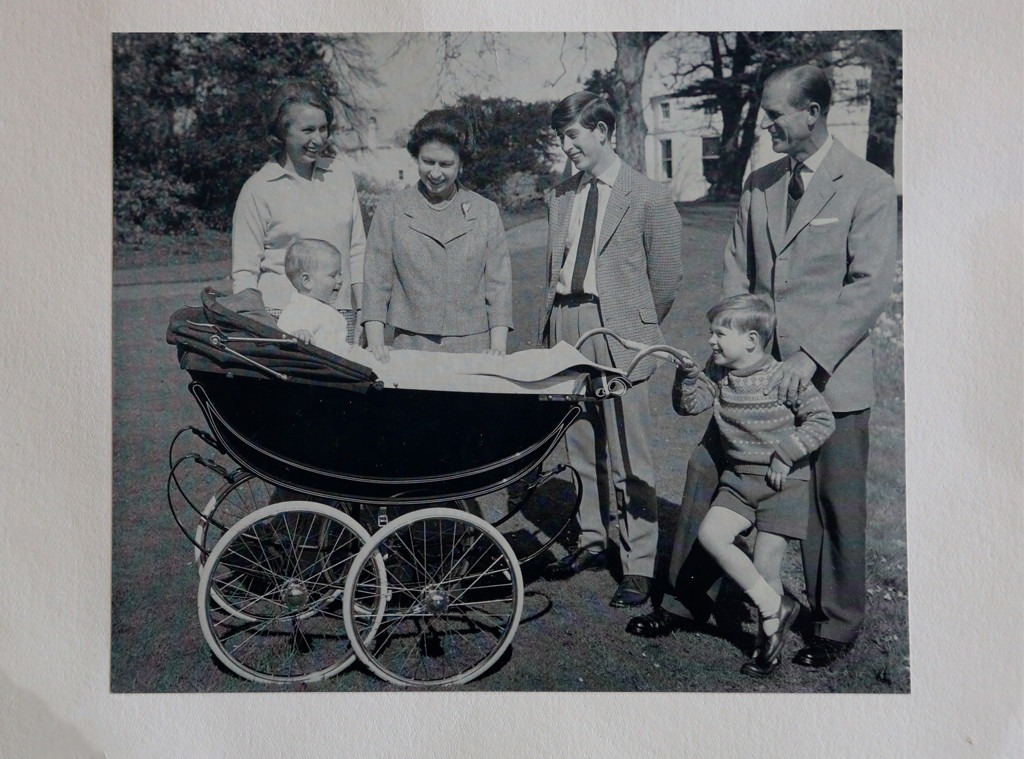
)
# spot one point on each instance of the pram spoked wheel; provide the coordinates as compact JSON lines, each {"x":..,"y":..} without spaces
{"x":454,"y":597}
{"x":270,"y":593}
{"x":239,"y":497}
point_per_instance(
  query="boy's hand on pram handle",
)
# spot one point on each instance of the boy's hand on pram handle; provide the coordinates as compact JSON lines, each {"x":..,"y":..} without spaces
{"x":304,"y":336}
{"x":685,"y":364}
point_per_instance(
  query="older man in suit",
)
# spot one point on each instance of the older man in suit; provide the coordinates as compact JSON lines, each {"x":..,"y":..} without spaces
{"x":614,"y":260}
{"x":816,"y":231}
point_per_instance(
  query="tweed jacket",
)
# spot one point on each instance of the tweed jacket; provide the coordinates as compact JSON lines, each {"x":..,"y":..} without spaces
{"x":638,"y":259}
{"x":438,"y":273}
{"x":829,"y":274}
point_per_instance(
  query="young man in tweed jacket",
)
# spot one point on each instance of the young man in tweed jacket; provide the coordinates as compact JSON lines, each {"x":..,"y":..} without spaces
{"x":616,"y":265}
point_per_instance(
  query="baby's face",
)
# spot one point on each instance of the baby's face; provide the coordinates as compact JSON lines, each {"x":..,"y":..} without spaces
{"x":324,"y":280}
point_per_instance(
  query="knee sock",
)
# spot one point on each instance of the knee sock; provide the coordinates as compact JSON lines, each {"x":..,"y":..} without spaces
{"x":768,"y":602}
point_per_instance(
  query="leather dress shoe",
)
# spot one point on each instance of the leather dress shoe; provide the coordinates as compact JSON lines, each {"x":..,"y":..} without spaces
{"x":574,"y":563}
{"x":822,"y":652}
{"x":789,"y":609}
{"x":657,"y":624}
{"x":759,"y":666}
{"x":634,"y":590}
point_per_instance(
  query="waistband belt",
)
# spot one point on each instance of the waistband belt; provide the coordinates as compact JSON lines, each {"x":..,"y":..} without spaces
{"x":574,"y":300}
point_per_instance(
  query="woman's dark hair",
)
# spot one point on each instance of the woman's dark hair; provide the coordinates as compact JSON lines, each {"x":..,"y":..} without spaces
{"x":586,"y":107}
{"x":288,"y":94}
{"x":446,"y":127}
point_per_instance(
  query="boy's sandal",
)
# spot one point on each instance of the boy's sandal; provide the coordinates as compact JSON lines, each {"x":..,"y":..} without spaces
{"x":789,"y":609}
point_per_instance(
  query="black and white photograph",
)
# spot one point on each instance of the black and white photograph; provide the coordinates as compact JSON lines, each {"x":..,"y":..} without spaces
{"x":440,"y":378}
{"x":509,"y":361}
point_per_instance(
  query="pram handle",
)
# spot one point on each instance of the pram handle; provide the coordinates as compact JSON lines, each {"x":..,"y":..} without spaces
{"x":678,"y":357}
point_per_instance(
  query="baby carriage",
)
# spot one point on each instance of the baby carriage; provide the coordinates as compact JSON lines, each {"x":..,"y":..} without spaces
{"x":343,"y":527}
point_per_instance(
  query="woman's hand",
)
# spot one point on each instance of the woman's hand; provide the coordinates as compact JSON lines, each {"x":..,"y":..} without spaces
{"x":304,"y":336}
{"x":499,"y":342}
{"x":375,"y":341}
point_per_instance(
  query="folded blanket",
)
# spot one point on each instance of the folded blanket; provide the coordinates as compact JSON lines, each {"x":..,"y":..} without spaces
{"x":558,"y":370}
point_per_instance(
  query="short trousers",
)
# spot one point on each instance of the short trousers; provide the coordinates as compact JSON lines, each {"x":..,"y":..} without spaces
{"x":477,"y":343}
{"x":781,"y":512}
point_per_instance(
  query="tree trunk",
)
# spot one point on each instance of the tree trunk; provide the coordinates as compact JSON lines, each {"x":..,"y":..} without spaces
{"x":885,"y":90}
{"x":738,"y":102}
{"x":630,"y":58}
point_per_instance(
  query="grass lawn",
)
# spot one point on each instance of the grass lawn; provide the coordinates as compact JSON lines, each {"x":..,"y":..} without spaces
{"x":569,"y":638}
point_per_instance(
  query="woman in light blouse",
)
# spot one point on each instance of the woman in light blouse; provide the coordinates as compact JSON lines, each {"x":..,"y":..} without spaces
{"x":437,"y":263}
{"x":301,"y":192}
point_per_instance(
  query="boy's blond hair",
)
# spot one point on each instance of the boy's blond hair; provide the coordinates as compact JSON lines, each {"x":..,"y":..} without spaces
{"x":304,"y":255}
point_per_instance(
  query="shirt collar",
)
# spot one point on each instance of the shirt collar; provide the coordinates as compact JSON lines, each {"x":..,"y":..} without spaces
{"x":814,"y":160}
{"x":273,"y":170}
{"x":608,"y":176}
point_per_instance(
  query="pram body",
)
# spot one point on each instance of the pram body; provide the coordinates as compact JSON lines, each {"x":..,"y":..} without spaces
{"x":294,"y":590}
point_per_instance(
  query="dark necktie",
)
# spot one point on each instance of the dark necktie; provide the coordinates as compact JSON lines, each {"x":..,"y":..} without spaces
{"x":586,"y":241}
{"x":796,"y":191}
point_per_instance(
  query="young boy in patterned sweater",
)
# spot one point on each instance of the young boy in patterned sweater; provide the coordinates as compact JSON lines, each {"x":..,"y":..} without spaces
{"x":766,"y":479}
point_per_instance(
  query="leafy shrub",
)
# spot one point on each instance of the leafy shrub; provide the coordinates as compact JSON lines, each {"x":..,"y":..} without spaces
{"x":519,"y":191}
{"x":888,"y":330}
{"x":370,"y":193}
{"x":147,"y":202}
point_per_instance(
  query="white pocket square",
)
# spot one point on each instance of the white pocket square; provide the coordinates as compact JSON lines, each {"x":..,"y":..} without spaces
{"x":821,"y":222}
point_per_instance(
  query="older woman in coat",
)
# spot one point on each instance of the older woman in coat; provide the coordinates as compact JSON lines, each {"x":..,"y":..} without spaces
{"x":437,"y":265}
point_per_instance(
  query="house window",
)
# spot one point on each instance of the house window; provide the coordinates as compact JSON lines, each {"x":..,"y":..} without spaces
{"x":665,"y":110}
{"x":401,"y":174}
{"x":863,"y":91}
{"x":666,"y":158}
{"x":710,"y":150}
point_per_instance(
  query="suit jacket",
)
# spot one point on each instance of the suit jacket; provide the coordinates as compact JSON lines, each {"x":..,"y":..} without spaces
{"x":830,"y":273}
{"x":638,"y":259}
{"x":437,"y":273}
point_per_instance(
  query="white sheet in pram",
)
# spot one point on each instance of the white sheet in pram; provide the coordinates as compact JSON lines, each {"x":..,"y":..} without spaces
{"x":557,"y":370}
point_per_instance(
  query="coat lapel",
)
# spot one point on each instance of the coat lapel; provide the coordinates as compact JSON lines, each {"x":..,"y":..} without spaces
{"x":775,"y":199}
{"x":618,"y":204}
{"x":437,"y":226}
{"x":820,"y":191}
{"x":562,"y":207}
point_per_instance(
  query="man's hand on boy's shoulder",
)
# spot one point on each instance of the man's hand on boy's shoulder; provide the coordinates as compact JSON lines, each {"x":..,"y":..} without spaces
{"x":791,"y":378}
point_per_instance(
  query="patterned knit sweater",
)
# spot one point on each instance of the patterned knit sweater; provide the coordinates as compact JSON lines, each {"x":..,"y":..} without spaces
{"x":753,"y":426}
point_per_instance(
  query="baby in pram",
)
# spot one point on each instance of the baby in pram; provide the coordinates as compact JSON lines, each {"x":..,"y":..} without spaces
{"x":314,"y":268}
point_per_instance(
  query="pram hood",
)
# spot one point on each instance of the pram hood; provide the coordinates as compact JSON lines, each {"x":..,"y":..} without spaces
{"x":213,"y":336}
